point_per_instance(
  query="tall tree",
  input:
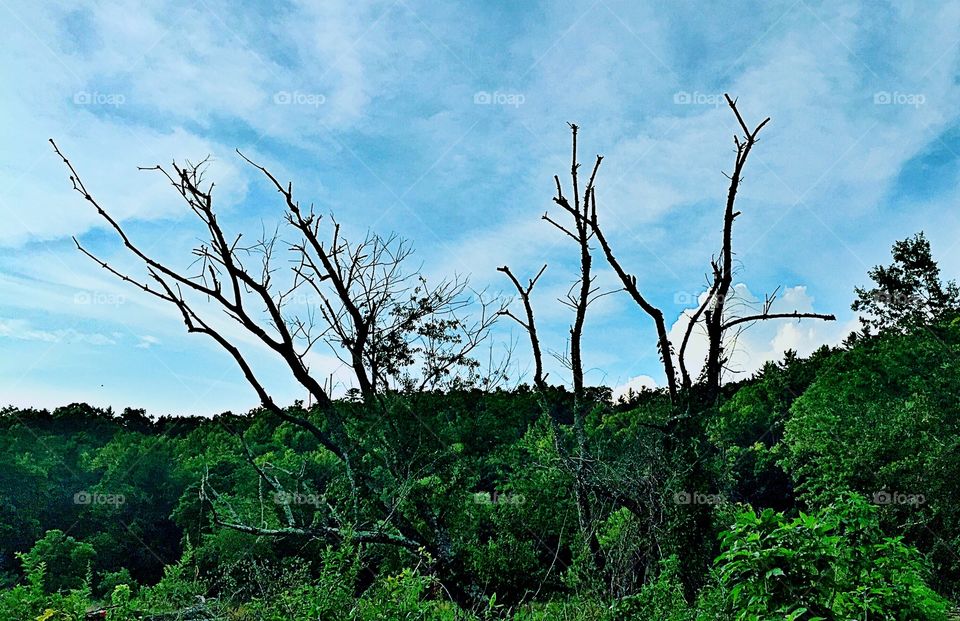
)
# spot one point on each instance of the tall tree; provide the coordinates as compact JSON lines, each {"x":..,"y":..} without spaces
{"x":391,"y":327}
{"x":604,"y":478}
{"x":907,"y":293}
{"x":713,"y":314}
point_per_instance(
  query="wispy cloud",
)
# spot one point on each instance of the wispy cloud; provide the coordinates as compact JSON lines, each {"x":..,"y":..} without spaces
{"x":22,"y":330}
{"x":446,"y":123}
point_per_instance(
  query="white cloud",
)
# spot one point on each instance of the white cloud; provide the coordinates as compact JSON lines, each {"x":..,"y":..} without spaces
{"x":23,"y":330}
{"x":634,"y":385}
{"x":147,"y":341}
{"x":763,"y":341}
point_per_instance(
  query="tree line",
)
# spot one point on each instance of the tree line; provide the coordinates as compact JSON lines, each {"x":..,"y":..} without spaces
{"x":433,"y":487}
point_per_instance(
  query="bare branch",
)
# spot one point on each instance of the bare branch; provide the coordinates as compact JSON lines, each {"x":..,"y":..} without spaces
{"x":767,"y":315}
{"x":723,"y":274}
{"x":530,"y":325}
{"x":630,"y":286}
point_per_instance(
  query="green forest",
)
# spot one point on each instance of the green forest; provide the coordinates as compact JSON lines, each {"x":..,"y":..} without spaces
{"x":821,"y":487}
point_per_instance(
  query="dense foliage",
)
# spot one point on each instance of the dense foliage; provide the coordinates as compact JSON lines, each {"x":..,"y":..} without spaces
{"x":821,"y":488}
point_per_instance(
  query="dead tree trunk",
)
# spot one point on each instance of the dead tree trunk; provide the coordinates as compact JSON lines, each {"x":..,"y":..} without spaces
{"x":578,"y":298}
{"x":528,"y":323}
{"x":382,"y":321}
{"x":686,"y":395}
{"x":712,"y":312}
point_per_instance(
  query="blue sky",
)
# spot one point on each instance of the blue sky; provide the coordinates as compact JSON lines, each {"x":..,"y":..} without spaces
{"x":371,"y":108}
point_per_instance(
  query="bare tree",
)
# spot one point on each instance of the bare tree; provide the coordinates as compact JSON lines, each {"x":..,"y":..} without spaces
{"x":712,"y":312}
{"x":579,"y":298}
{"x":383,"y":320}
{"x":582,"y":293}
{"x":614,"y":481}
{"x":528,"y":323}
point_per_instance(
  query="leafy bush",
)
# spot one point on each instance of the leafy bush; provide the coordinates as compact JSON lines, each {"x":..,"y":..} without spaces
{"x":66,"y":560}
{"x":32,"y":601}
{"x":403,"y":596}
{"x":292,"y":593}
{"x":835,"y":564}
{"x":112,"y":579}
{"x":883,"y":420}
{"x":661,"y":599}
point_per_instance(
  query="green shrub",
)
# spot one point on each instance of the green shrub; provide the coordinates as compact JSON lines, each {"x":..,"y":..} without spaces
{"x":67,"y":561}
{"x":661,"y":599}
{"x":835,"y":564}
{"x":403,"y":596}
{"x":293,"y":593}
{"x":112,"y":579}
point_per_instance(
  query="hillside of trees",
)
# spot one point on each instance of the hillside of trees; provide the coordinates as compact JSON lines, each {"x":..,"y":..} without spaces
{"x":822,"y":487}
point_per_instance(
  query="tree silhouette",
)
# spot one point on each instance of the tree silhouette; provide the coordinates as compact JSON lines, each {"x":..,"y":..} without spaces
{"x":907,"y":293}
